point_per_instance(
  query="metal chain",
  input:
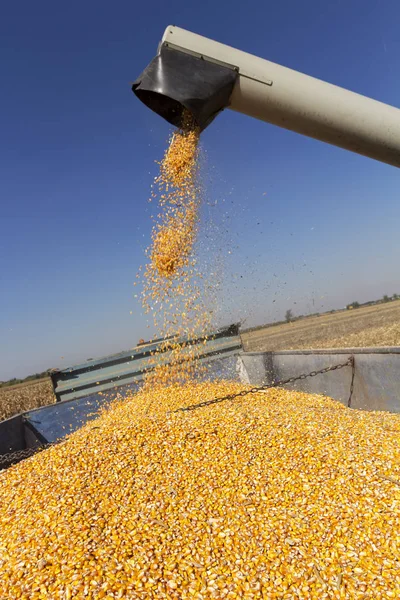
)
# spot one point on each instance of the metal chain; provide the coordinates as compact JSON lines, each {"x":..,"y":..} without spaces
{"x":254,"y":390}
{"x":13,"y":457}
{"x":18,"y":455}
{"x":353,"y":372}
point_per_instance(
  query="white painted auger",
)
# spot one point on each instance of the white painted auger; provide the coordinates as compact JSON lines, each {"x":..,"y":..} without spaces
{"x":203,"y":76}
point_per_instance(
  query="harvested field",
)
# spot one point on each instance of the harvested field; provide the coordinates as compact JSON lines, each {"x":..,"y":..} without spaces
{"x":362,"y":327}
{"x":25,"y":396}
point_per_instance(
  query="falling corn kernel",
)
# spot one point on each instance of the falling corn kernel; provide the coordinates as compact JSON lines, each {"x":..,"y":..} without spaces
{"x":174,"y":234}
{"x":173,"y":290}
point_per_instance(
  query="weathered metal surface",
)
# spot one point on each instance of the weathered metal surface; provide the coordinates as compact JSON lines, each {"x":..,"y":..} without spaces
{"x":12,"y":435}
{"x":127,"y":368}
{"x":54,"y":422}
{"x":376,"y":375}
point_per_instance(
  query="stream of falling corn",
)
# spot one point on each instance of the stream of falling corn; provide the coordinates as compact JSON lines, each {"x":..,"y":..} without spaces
{"x":276,"y":495}
{"x":174,"y":289}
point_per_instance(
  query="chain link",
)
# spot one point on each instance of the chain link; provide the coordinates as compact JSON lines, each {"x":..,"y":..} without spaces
{"x":254,"y":390}
{"x":13,"y":457}
{"x":353,"y":372}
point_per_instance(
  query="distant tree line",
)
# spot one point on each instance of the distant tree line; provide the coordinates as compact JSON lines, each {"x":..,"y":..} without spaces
{"x":290,"y":317}
{"x":382,"y":300}
{"x":15,"y":381}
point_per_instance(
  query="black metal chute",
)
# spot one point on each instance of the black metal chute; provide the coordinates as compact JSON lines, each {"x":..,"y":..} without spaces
{"x":175,"y":81}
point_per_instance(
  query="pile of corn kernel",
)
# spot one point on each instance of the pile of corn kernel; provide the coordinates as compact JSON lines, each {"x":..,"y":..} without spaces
{"x":276,"y":495}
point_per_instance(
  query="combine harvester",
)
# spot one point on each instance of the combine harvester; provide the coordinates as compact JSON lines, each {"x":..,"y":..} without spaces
{"x":195,"y":74}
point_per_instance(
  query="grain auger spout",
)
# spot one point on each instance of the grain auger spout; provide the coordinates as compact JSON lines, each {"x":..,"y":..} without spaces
{"x":195,"y":74}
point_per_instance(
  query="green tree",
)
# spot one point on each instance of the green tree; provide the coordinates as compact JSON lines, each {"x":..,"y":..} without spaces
{"x":386,"y":298}
{"x":353,"y":305}
{"x":289,"y":316}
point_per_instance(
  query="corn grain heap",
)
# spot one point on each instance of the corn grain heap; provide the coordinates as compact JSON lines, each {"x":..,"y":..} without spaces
{"x":278,"y":495}
{"x":173,"y":287}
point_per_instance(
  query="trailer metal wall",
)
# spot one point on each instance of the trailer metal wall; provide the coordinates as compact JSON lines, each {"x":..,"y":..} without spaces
{"x":376,"y":387}
{"x":376,"y":374}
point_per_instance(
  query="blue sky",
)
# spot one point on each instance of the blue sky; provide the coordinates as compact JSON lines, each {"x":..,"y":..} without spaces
{"x":301,"y":225}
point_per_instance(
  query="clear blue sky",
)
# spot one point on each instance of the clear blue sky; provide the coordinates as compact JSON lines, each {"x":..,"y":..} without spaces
{"x":301,"y":219}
